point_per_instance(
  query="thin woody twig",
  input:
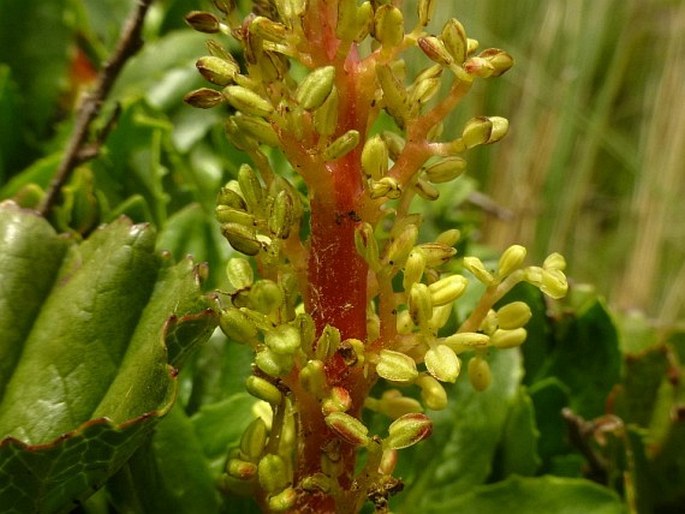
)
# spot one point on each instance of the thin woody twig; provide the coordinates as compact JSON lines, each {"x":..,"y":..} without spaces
{"x":79,"y":149}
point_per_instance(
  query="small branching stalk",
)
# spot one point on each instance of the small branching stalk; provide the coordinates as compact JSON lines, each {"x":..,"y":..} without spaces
{"x":358,"y":298}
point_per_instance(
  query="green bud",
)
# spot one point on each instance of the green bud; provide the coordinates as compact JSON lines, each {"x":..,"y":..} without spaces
{"x":394,"y":405}
{"x":241,"y":469}
{"x":285,"y":500}
{"x":554,"y":283}
{"x":449,"y":237}
{"x":203,"y":22}
{"x":466,"y":340}
{"x":455,"y":40}
{"x":268,"y":29}
{"x":367,"y":246}
{"x":341,"y":146}
{"x":447,"y":289}
{"x":339,"y":400}
{"x":348,"y":428}
{"x":316,"y":482}
{"x":315,"y":88}
{"x":328,"y":343}
{"x":420,"y":305}
{"x":217,"y":50}
{"x":226,"y":214}
{"x":499,"y":60}
{"x":479,"y":67}
{"x":229,"y":195}
{"x":477,"y":268}
{"x":375,"y":158}
{"x":408,"y":430}
{"x":404,"y":323}
{"x":440,"y":317}
{"x":389,"y":25}
{"x":326,"y":116}
{"x":239,"y":138}
{"x":480,"y":375}
{"x":425,"y":10}
{"x":263,"y":390}
{"x":396,"y":366}
{"x":437,"y":253}
{"x":305,"y":325}
{"x":442,"y":363}
{"x":266,"y":296}
{"x":243,"y":239}
{"x":281,"y":215}
{"x":217,"y":70}
{"x":283,"y":340}
{"x":413,"y":268}
{"x":239,"y":273}
{"x":511,"y":260}
{"x":387,"y":187}
{"x":237,"y":326}
{"x":445,"y":169}
{"x":247,"y":101}
{"x":426,"y":190}
{"x":433,"y":393}
{"x":424,"y":90}
{"x":394,"y":94}
{"x":394,"y":142}
{"x":435,"y":50}
{"x":258,"y":129}
{"x":253,"y":440}
{"x":512,"y":338}
{"x":472,"y":45}
{"x":204,"y":98}
{"x":513,"y":315}
{"x":252,"y":189}
{"x":272,"y":363}
{"x":313,"y":378}
{"x":273,"y":474}
{"x":401,"y":246}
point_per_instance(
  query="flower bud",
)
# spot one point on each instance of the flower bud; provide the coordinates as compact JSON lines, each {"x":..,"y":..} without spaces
{"x":408,"y":430}
{"x":426,"y":190}
{"x":512,"y":338}
{"x":263,"y":390}
{"x":315,"y":88}
{"x":394,"y":142}
{"x":401,"y":245}
{"x":479,"y":67}
{"x":554,"y":261}
{"x":385,"y":187}
{"x":253,"y":440}
{"x":435,"y":50}
{"x":241,"y":469}
{"x":272,"y":363}
{"x":226,"y":214}
{"x":389,"y":25}
{"x":425,"y":10}
{"x":445,"y":169}
{"x":423,"y":91}
{"x":216,"y":70}
{"x":283,"y":340}
{"x":513,"y":315}
{"x":447,"y":289}
{"x":374,"y":158}
{"x":328,"y":343}
{"x":237,"y":326}
{"x":394,"y":94}
{"x":313,"y":378}
{"x":239,"y":273}
{"x":404,"y":323}
{"x":252,"y":189}
{"x":477,"y":268}
{"x":466,"y":340}
{"x":268,"y":29}
{"x":281,"y":215}
{"x":258,"y":129}
{"x":396,"y":366}
{"x":554,"y":283}
{"x":437,"y":253}
{"x":442,"y":363}
{"x":367,"y":246}
{"x":225,"y":6}
{"x":440,"y":317}
{"x":480,"y":375}
{"x":243,"y":239}
{"x":247,"y":101}
{"x":316,"y":482}
{"x":339,"y":400}
{"x":413,"y":268}
{"x":420,"y":305}
{"x":433,"y":393}
{"x":273,"y":473}
{"x":203,"y":22}
{"x":341,"y":146}
{"x":326,"y":116}
{"x":229,"y":196}
{"x":266,"y":296}
{"x":204,"y":98}
{"x":499,"y":60}
{"x":455,"y":40}
{"x":511,"y":260}
{"x":285,"y":500}
{"x":393,"y":404}
{"x":348,"y":428}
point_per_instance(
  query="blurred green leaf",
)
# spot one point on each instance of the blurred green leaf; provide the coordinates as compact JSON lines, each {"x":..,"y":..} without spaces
{"x":91,"y":370}
{"x":11,"y":124}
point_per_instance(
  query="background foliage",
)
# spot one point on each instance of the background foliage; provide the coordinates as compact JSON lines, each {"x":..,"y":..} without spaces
{"x":592,"y":168}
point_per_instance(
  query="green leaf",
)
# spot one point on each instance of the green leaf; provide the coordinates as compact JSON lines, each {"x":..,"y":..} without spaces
{"x":533,"y":496}
{"x":549,"y":397}
{"x":93,"y":373}
{"x":11,"y":145}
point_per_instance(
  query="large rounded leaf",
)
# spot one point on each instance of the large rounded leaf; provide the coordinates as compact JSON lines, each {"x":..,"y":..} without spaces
{"x":90,"y":335}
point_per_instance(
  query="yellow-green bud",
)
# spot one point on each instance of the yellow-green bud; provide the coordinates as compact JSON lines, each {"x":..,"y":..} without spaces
{"x":393,"y":404}
{"x":252,"y":189}
{"x":511,"y":338}
{"x":273,"y":473}
{"x":437,"y":253}
{"x":554,"y":261}
{"x":272,"y":363}
{"x":433,"y":393}
{"x":341,"y":146}
{"x":247,"y":101}
{"x":396,"y":366}
{"x":472,"y":45}
{"x":401,"y":245}
{"x":367,"y":246}
{"x":328,"y":343}
{"x":466,"y":340}
{"x":511,"y":260}
{"x":225,"y":214}
{"x":408,"y":430}
{"x":440,"y":317}
{"x":375,"y":158}
{"x":283,"y":340}
{"x":484,"y":130}
{"x":241,"y":469}
{"x":281,"y":215}
{"x":424,"y":90}
{"x":387,"y":186}
{"x":413,"y":268}
{"x":420,"y":305}
{"x":348,"y":428}
{"x":315,"y":88}
{"x":389,"y":25}
{"x":263,"y":390}
{"x":477,"y":268}
{"x":499,"y":60}
{"x":253,"y":440}
{"x":266,"y":296}
{"x":229,"y":196}
{"x":442,"y":363}
{"x":455,"y":40}
{"x":316,"y":482}
{"x":445,"y":169}
{"x":225,"y":6}
{"x":554,"y":283}
{"x":404,"y":323}
{"x":239,"y":273}
{"x":242,"y":238}
{"x":394,"y":142}
{"x":513,"y":315}
{"x":217,"y":70}
{"x":479,"y":67}
{"x":339,"y":400}
{"x":204,"y":98}
{"x":237,"y":326}
{"x":257,"y":128}
{"x":313,"y":378}
{"x":436,"y":50}
{"x":203,"y":22}
{"x":447,"y":289}
{"x":326,"y":116}
{"x":268,"y":29}
{"x":425,"y":10}
{"x":480,"y":375}
{"x":285,"y":500}
{"x":449,"y":237}
{"x":394,"y":94}
{"x":426,"y":190}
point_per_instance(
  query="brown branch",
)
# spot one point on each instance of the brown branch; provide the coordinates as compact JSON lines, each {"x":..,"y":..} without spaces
{"x":79,"y":148}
